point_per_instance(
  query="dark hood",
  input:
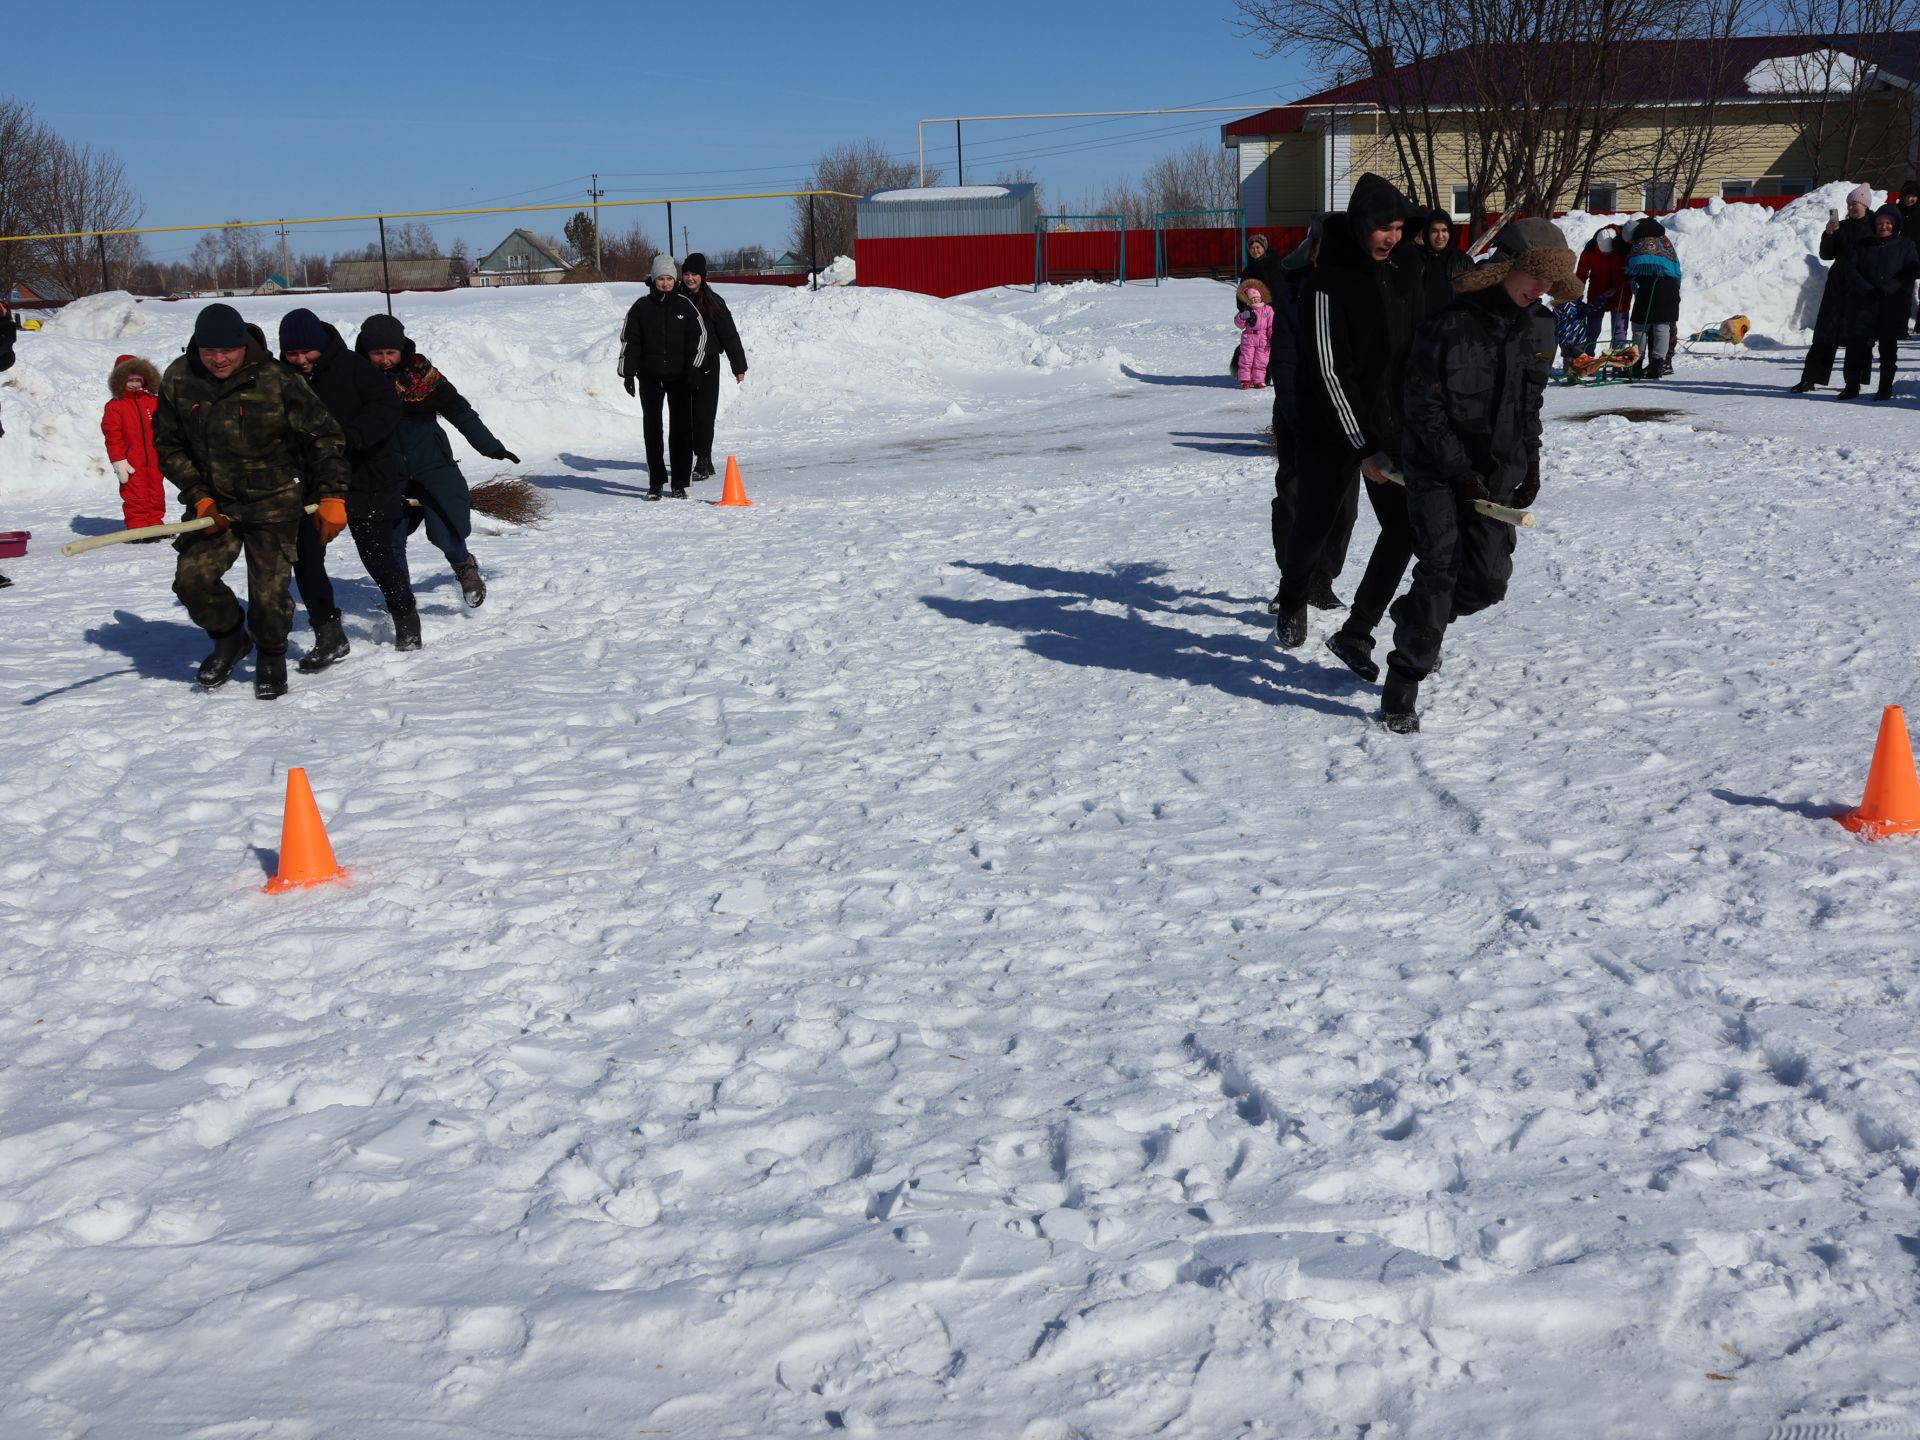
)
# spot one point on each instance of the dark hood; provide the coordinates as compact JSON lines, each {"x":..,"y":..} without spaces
{"x":1376,"y":203}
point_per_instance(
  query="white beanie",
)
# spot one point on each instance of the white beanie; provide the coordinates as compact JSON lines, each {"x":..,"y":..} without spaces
{"x":663,"y":264}
{"x":1861,"y":195}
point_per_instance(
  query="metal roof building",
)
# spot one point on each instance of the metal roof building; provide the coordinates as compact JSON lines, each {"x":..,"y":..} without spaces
{"x":946,"y":210}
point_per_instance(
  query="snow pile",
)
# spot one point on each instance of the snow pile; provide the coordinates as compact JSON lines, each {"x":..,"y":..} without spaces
{"x":1818,"y":72}
{"x":1743,"y":259}
{"x":840,"y":272}
{"x":939,"y":192}
{"x":540,"y":365}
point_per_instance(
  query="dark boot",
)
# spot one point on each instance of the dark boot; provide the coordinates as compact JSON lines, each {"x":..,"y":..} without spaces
{"x":4,"y":582}
{"x":1885,"y":392}
{"x":329,"y":644}
{"x":1320,"y":595}
{"x":227,"y":650}
{"x":269,"y":677}
{"x":703,"y":468}
{"x":1803,"y":387}
{"x":678,"y":492}
{"x":1273,"y":605}
{"x":1290,"y":630}
{"x":653,"y":495}
{"x":1397,"y":703}
{"x":406,"y":630}
{"x":472,"y":588}
{"x":1851,"y":392}
{"x":1355,"y":656}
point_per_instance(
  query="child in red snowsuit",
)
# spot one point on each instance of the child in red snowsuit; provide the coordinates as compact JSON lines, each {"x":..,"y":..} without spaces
{"x":1256,"y":339}
{"x":128,"y":425}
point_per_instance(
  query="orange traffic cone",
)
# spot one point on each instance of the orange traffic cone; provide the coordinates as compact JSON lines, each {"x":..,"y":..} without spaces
{"x":1892,"y":803}
{"x":734,"y":493}
{"x":306,"y":857}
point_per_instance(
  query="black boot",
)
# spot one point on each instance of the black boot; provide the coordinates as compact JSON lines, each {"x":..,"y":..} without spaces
{"x":472,"y":588}
{"x":1851,"y":392}
{"x":1320,"y":595}
{"x":269,"y":676}
{"x":4,"y":582}
{"x":1273,"y":605}
{"x":1885,"y":392}
{"x":1290,"y":629}
{"x":1803,"y":387}
{"x":703,"y":468}
{"x":329,"y":644}
{"x":227,"y":650}
{"x":1397,"y":702}
{"x":678,"y":492}
{"x":406,"y":630}
{"x":1354,"y":655}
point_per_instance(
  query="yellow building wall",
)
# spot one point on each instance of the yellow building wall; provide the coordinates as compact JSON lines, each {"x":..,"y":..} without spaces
{"x":1296,"y":188}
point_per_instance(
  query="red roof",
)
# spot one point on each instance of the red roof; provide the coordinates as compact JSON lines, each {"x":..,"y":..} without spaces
{"x":1647,"y":72}
{"x":1282,"y":120}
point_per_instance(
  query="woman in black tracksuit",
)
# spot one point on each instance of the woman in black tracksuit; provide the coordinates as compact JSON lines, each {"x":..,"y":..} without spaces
{"x":723,"y":338}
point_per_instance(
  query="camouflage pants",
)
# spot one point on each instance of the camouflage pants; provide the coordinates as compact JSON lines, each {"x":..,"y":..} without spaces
{"x":205,"y":558}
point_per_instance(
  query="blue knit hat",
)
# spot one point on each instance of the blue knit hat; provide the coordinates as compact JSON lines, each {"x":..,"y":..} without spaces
{"x":219,"y":327}
{"x":301,"y":330}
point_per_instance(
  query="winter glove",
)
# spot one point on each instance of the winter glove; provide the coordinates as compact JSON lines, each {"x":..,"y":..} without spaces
{"x":123,"y":468}
{"x":504,"y":454}
{"x":1529,"y":490}
{"x":209,"y":509}
{"x":1467,"y":489}
{"x":330,"y":519}
{"x":628,"y":381}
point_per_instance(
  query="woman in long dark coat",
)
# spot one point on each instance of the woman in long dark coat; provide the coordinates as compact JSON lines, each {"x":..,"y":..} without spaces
{"x":1829,"y":326}
{"x":1879,"y":277}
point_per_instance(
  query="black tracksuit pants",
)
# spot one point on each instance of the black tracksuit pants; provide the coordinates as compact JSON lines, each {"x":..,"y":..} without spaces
{"x":676,"y":395}
{"x":1462,"y":565}
{"x":1326,"y":489}
{"x":1386,"y":566}
{"x":382,"y":551}
{"x":706,"y":410}
{"x":1818,"y":369}
{"x":1286,"y":496}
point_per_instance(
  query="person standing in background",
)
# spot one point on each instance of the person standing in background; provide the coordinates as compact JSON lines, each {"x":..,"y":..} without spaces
{"x":723,"y":339}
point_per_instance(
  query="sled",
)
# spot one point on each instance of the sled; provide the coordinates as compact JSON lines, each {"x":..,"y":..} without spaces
{"x":1614,"y":367}
{"x":1731,"y":331}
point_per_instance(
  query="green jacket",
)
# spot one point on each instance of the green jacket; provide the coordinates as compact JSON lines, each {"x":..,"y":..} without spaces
{"x":260,"y":442}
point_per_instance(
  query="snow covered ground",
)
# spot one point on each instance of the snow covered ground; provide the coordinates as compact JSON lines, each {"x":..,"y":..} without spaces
{"x":912,"y":959}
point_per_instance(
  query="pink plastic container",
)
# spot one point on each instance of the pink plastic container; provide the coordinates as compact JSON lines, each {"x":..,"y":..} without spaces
{"x":13,"y":543}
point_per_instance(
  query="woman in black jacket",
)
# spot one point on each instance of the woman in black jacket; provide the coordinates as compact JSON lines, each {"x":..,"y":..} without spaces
{"x":662,"y":347}
{"x":6,"y":363}
{"x":1879,"y":287}
{"x":1829,"y":325}
{"x":723,"y":338}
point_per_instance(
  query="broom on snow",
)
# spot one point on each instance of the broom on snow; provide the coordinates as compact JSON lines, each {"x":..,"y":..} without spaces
{"x":518,"y":502}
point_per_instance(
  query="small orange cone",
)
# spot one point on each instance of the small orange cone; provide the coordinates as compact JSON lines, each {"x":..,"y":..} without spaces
{"x":306,"y":857}
{"x":1892,"y":803}
{"x":734,"y":493}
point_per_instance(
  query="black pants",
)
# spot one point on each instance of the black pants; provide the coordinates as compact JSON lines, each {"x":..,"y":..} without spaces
{"x":1386,"y":566}
{"x":383,"y":551}
{"x":677,"y":395}
{"x":706,"y":409}
{"x":1286,"y":498}
{"x":1325,"y":490}
{"x":1860,"y":361}
{"x":1819,"y":367}
{"x":1462,"y":565}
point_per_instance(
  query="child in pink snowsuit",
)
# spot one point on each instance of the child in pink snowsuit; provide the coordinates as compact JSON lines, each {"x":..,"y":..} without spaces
{"x":128,"y":427}
{"x":1256,"y":339}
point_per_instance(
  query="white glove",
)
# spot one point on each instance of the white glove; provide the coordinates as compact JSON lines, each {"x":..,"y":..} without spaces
{"x":124,"y":469}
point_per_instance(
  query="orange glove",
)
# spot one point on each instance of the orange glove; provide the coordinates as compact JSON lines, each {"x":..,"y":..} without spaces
{"x":209,"y":509}
{"x":330,"y":519}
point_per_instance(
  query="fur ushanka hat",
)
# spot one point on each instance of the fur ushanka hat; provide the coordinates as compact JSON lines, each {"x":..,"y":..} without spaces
{"x":1535,"y":246}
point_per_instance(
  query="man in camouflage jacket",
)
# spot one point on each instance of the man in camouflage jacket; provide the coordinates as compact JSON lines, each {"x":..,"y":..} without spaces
{"x":238,"y":434}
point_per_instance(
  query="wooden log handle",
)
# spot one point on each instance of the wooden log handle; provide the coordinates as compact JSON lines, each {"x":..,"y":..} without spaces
{"x":1505,"y":514}
{"x":153,"y":532}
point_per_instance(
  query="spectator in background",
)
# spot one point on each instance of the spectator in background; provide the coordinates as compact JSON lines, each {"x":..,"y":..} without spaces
{"x":1910,"y":224}
{"x":1829,"y":325}
{"x":7,"y":329}
{"x":1653,"y":273}
{"x":723,"y":340}
{"x":1603,"y":269}
{"x":127,"y":424}
{"x":1440,"y":259}
{"x":663,"y":346}
{"x":1880,"y":275}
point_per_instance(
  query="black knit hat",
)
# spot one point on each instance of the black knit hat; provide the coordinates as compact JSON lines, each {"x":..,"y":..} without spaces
{"x":381,"y":332}
{"x":694,"y":264}
{"x":301,"y":330}
{"x":219,"y":327}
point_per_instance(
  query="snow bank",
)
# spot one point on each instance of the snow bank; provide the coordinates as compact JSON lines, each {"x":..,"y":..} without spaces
{"x":540,"y":364}
{"x":1744,"y":259}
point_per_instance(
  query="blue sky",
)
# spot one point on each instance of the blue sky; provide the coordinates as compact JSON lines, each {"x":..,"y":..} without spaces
{"x":258,"y":112}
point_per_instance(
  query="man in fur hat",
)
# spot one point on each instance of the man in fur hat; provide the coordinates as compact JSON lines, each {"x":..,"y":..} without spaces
{"x":1474,"y":387}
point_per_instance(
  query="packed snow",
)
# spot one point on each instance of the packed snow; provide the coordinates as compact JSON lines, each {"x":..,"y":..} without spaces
{"x":911,"y":958}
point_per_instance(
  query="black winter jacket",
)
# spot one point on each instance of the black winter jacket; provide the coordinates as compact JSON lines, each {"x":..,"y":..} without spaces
{"x":363,"y":400}
{"x":7,"y":329}
{"x":664,"y":337}
{"x":1473,"y":396}
{"x":1829,"y":323}
{"x":723,"y":336}
{"x":1878,"y":277}
{"x":1356,"y":319}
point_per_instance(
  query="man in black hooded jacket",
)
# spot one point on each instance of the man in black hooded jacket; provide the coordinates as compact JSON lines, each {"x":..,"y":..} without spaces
{"x":1357,"y":315}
